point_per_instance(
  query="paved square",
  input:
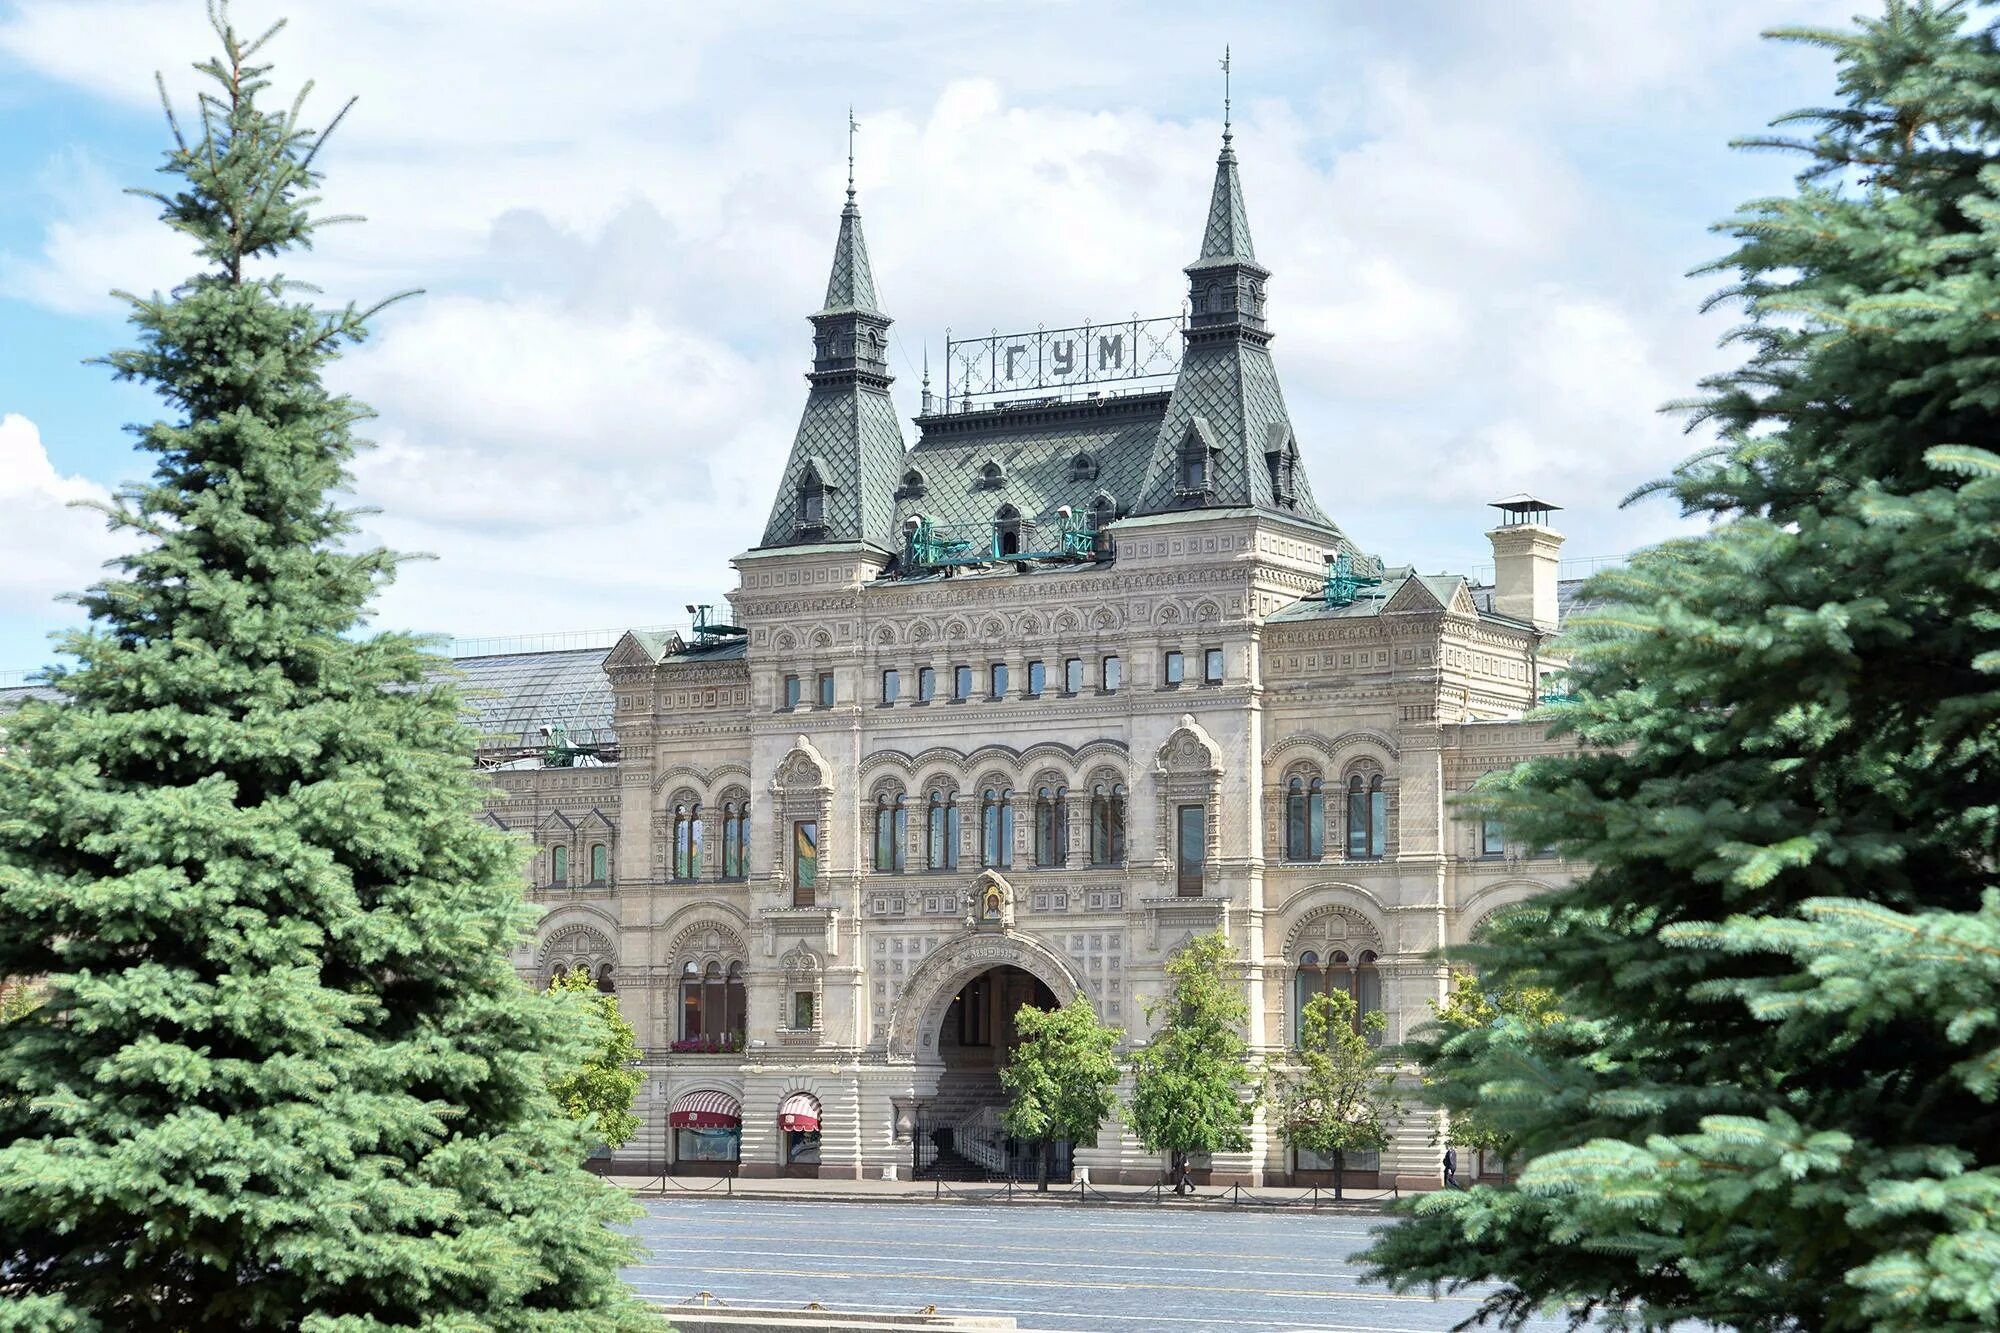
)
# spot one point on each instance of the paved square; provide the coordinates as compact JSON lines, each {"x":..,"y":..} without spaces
{"x":1114,"y":1267}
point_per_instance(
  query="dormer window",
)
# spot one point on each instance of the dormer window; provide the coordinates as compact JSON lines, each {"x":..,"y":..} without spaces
{"x":1007,"y":531}
{"x":1196,"y":473}
{"x":991,"y":475}
{"x":812,"y":503}
{"x":1083,"y":468}
{"x":912,"y":487}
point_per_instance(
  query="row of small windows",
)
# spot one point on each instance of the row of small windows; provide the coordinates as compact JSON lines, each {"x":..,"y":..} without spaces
{"x":1367,"y":818}
{"x":600,"y":865}
{"x":965,"y":679}
{"x":1050,"y":828}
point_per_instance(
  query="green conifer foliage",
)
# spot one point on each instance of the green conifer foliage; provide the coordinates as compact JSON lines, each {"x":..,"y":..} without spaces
{"x":1771,"y":1101}
{"x":283,"y":1076}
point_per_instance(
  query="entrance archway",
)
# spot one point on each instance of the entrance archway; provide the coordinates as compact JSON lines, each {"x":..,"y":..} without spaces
{"x":919,"y":1012}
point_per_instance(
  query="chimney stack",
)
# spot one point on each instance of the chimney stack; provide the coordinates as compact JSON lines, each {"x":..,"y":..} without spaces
{"x":1526,"y":553}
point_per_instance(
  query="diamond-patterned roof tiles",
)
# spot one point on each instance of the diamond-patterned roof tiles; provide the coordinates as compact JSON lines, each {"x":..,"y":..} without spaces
{"x":851,"y":285}
{"x":1227,"y":235}
{"x":1039,"y":449}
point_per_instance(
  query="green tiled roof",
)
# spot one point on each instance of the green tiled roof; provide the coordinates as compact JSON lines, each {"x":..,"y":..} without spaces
{"x":1037,"y":448}
{"x":851,"y":286}
{"x":1226,"y":238}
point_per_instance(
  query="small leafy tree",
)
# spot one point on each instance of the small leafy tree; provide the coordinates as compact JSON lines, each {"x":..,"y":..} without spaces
{"x":603,"y":1087}
{"x":1060,"y":1078}
{"x":1468,"y":1007}
{"x":1193,"y":1089}
{"x":1333,"y":1096}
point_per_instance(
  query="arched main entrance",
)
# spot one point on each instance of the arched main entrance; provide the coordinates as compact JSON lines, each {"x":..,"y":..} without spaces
{"x":960,"y":1134}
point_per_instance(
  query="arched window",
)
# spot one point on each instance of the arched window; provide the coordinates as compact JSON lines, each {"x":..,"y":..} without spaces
{"x":1107,"y":824}
{"x":1083,"y":468}
{"x":941,"y":828}
{"x":600,"y":863}
{"x":1305,"y":819}
{"x":996,"y":828}
{"x":1358,"y":979}
{"x":1367,"y":817}
{"x":1007,"y":531}
{"x":1052,"y":826}
{"x":604,"y":981}
{"x":559,"y":866}
{"x":735,"y":839}
{"x":712,"y":1005}
{"x":892,"y":828}
{"x":687,"y":840}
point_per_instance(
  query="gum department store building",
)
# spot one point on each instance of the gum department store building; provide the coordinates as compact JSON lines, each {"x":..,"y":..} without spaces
{"x":1005,"y":716}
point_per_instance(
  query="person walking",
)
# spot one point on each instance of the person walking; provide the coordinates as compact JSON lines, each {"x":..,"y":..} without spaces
{"x":1451,"y":1168}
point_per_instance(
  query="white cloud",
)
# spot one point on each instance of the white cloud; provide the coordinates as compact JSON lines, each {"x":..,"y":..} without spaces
{"x":47,"y":548}
{"x":623,"y":212}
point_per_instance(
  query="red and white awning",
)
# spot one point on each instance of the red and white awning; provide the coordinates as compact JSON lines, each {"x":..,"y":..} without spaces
{"x":799,"y":1111}
{"x":705,"y":1110}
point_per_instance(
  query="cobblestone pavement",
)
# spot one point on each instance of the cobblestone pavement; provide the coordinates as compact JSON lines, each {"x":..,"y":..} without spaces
{"x":1055,"y":1268}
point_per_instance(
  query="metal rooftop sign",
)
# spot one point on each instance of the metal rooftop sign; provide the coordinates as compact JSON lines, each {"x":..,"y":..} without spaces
{"x":1060,"y":361}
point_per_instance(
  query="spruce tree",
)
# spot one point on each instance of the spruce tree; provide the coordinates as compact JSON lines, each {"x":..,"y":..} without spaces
{"x":1192,"y":1088}
{"x":283,"y":1075}
{"x":1772,"y":1100}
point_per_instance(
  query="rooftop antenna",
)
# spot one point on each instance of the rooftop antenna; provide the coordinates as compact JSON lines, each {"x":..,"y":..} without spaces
{"x":852,"y":126}
{"x":1225,"y":95}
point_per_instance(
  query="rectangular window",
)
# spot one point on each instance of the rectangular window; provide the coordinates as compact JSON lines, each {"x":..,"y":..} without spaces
{"x":892,"y":686}
{"x":805,"y":861}
{"x":1211,"y":667}
{"x":826,"y":689}
{"x":1113,"y":675}
{"x":802,"y":1011}
{"x":791,"y":691}
{"x":1192,"y":844}
{"x":1037,"y":679}
{"x":996,"y":680}
{"x":1492,"y":842}
{"x":1073,"y":676}
{"x":926,"y":684}
{"x":1174,"y":670}
{"x":961,"y":682}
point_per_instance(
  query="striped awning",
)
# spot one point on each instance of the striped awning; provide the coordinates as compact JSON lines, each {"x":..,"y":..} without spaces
{"x":799,"y":1111}
{"x":705,"y":1110}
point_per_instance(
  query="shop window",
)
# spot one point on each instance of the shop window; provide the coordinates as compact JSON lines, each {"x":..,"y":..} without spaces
{"x":712,"y":1004}
{"x":1358,"y":979}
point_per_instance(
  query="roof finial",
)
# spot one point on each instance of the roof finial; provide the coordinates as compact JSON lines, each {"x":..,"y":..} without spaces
{"x":852,"y":126}
{"x":1225,"y":94}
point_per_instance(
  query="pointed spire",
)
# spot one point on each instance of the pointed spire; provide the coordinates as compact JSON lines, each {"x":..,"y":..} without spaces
{"x":851,"y":286}
{"x":1226,"y":239}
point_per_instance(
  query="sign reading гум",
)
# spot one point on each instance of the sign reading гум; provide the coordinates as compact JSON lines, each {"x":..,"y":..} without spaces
{"x":1060,"y":359}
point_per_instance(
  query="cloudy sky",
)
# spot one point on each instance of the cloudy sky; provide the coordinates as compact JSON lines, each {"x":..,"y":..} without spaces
{"x":1480,"y":215}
